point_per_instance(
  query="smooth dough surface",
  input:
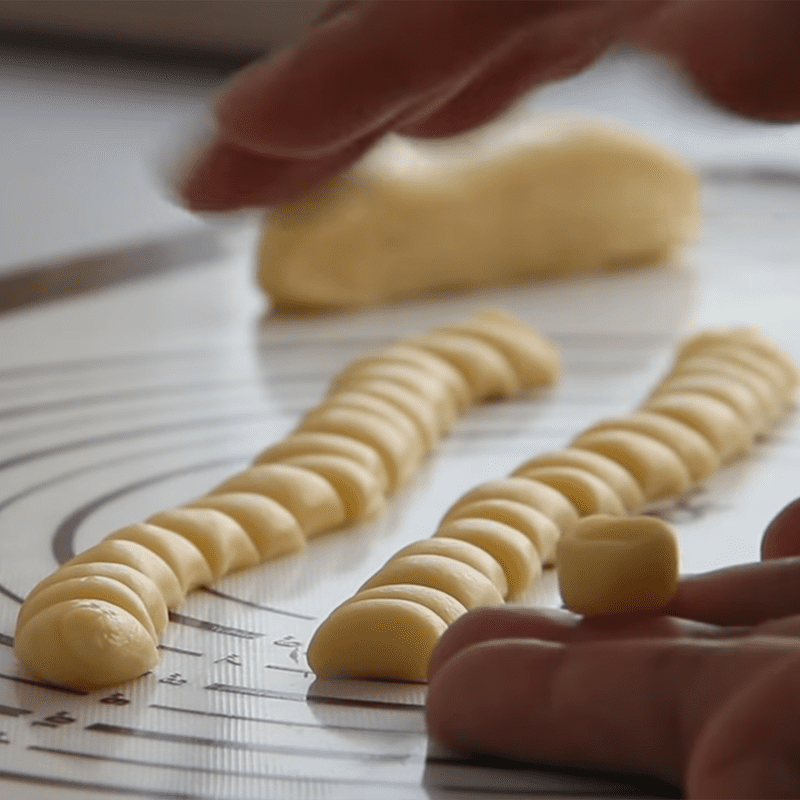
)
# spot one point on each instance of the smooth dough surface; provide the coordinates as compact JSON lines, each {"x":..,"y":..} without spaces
{"x":526,"y":199}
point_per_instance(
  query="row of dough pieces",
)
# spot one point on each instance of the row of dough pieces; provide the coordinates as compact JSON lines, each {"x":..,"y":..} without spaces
{"x":98,"y":619}
{"x":725,"y":388}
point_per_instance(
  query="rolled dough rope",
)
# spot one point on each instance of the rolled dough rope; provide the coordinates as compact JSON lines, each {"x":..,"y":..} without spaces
{"x":441,"y":603}
{"x":607,"y":563}
{"x":96,"y":621}
{"x":523,"y":200}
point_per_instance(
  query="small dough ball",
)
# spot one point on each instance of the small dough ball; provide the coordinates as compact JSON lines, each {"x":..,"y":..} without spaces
{"x":311,"y":499}
{"x":271,"y":527}
{"x":460,"y":551}
{"x":184,"y":559}
{"x":511,"y":202}
{"x":383,"y":639}
{"x":625,"y":486}
{"x":614,"y":565}
{"x":471,"y":588}
{"x":221,"y":540}
{"x":511,"y":548}
{"x":658,"y":468}
{"x":441,"y":603}
{"x":540,"y":529}
{"x":86,"y":644}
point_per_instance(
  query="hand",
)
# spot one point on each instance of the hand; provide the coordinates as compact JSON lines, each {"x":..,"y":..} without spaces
{"x":440,"y":67}
{"x":707,"y":698}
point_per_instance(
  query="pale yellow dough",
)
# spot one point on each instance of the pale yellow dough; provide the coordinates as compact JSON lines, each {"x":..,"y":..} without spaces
{"x":528,"y":198}
{"x":612,"y":565}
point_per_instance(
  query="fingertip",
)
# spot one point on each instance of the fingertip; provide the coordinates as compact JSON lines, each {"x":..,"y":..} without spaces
{"x":782,"y":536}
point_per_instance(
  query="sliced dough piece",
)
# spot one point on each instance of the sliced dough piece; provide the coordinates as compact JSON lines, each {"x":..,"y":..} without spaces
{"x":511,"y":203}
{"x":302,"y":444}
{"x":92,"y":587}
{"x":380,"y":638}
{"x":401,"y":455}
{"x":552,"y":503}
{"x":540,"y":529}
{"x":359,"y":489}
{"x":588,"y":493}
{"x":625,"y":486}
{"x":693,"y":449}
{"x":728,"y":433}
{"x":441,"y":603}
{"x":487,"y":371}
{"x":511,"y":548}
{"x":744,"y":357}
{"x":310,"y":498}
{"x":272,"y":527}
{"x":535,"y":360}
{"x":460,"y":551}
{"x":743,"y":400}
{"x":658,"y":468}
{"x":469,"y":586}
{"x":613,"y":566}
{"x":86,"y":644}
{"x":428,"y":385}
{"x":222,"y":541}
{"x":138,"y":557}
{"x":751,"y":338}
{"x":359,"y":400}
{"x":184,"y":559}
{"x":138,"y":582}
{"x":418,"y":409}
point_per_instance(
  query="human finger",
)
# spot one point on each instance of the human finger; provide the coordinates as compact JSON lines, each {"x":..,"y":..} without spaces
{"x":782,"y":537}
{"x":742,"y":53}
{"x":632,"y":705}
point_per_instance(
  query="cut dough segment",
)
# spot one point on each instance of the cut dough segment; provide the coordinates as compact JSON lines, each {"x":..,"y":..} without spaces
{"x":743,"y":400}
{"x":744,"y":357}
{"x":531,"y":522}
{"x":552,"y":503}
{"x":135,"y":580}
{"x":625,"y":486}
{"x":85,"y":644}
{"x":184,"y":559}
{"x":273,"y":529}
{"x":418,"y":409}
{"x":401,"y":455}
{"x":728,"y":433}
{"x":441,"y":603}
{"x":359,"y":489}
{"x":469,"y":586}
{"x":693,"y":449}
{"x":511,"y":548}
{"x":460,"y":551}
{"x":138,"y":557}
{"x":380,"y":638}
{"x":588,"y":493}
{"x":611,"y":565}
{"x":770,"y":396}
{"x":535,"y":360}
{"x":222,"y":541}
{"x":311,"y":499}
{"x":92,"y":587}
{"x":658,"y":468}
{"x":487,"y":371}
{"x":301,"y":444}
{"x":516,"y":202}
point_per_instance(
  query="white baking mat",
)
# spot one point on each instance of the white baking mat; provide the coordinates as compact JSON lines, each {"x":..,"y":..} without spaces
{"x":132,"y":399}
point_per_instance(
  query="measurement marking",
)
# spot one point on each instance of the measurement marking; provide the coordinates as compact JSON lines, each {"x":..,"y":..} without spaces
{"x":180,"y":738}
{"x":223,"y":715}
{"x":213,"y":627}
{"x":251,"y":604}
{"x":215,"y":771}
{"x":179,"y":650}
{"x":254,"y":691}
{"x":10,"y":595}
{"x":299,"y":670}
{"x":43,"y":685}
{"x":7,"y":640}
{"x":10,"y":711}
